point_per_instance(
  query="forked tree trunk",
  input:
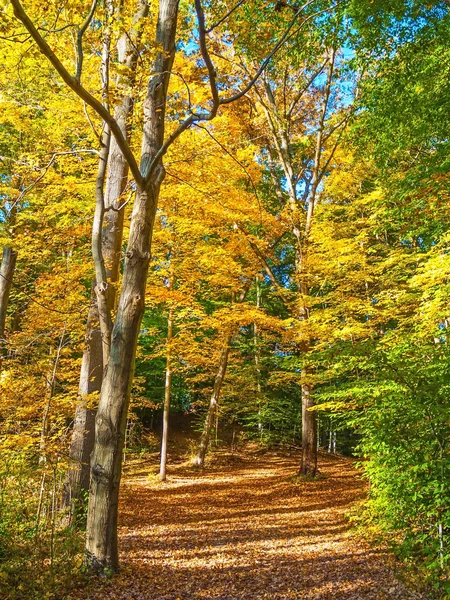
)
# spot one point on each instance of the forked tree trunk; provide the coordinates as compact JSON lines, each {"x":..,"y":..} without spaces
{"x":167,"y":391}
{"x":199,"y":459}
{"x":110,"y":424}
{"x":111,"y":419}
{"x":82,"y":443}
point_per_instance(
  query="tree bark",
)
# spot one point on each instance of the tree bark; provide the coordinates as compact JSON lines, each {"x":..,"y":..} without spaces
{"x":309,"y":431}
{"x":199,"y":459}
{"x":110,"y":424}
{"x":82,"y":443}
{"x":7,"y":267}
{"x":167,"y":390}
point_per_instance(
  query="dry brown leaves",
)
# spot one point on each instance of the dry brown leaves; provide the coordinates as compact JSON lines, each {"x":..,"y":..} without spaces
{"x":247,"y":531}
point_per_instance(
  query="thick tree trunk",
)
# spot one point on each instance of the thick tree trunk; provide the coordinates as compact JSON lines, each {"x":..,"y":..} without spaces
{"x":7,"y":267}
{"x":111,"y":419}
{"x":82,"y":443}
{"x":199,"y":459}
{"x":110,"y":423}
{"x":167,"y":390}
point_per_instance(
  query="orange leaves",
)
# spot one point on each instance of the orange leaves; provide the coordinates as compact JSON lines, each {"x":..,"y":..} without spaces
{"x":245,"y":529}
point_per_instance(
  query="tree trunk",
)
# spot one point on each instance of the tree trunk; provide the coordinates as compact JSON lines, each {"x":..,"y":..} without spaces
{"x":199,"y":459}
{"x":82,"y":443}
{"x":111,"y":419}
{"x":51,"y":381}
{"x":110,"y":423}
{"x":167,"y":390}
{"x":7,"y":267}
{"x":309,"y":433}
{"x":257,"y":362}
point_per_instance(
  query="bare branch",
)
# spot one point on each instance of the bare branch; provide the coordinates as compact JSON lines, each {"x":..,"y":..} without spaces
{"x":91,"y":124}
{"x":206,"y":57}
{"x":216,"y":101}
{"x":319,"y":142}
{"x":275,"y":49}
{"x":80,"y":34}
{"x":225,"y":17}
{"x":24,"y":192}
{"x":304,"y":89}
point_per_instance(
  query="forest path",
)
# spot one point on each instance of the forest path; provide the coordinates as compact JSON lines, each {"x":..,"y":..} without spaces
{"x":247,"y":530}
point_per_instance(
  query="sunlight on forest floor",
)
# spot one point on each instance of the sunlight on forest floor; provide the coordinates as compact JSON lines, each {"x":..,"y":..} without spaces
{"x":246,"y":530}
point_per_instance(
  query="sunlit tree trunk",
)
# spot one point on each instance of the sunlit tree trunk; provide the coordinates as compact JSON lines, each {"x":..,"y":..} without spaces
{"x":110,"y":424}
{"x":92,"y":367}
{"x":7,"y":268}
{"x":82,"y":442}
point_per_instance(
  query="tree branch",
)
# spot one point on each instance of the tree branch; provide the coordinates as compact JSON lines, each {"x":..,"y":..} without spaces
{"x":207,"y":58}
{"x":225,"y":17}
{"x":275,"y":49}
{"x":80,"y":34}
{"x":79,"y":90}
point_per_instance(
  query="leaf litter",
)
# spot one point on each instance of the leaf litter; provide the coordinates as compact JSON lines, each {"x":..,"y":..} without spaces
{"x":246,"y":529}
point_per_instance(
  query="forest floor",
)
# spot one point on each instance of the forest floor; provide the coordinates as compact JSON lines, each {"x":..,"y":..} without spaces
{"x":246,"y":529}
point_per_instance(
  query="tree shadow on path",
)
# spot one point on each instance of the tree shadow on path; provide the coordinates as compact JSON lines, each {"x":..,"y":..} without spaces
{"x":247,"y":532}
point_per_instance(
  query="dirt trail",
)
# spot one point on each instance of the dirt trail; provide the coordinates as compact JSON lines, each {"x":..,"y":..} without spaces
{"x":247,"y":531}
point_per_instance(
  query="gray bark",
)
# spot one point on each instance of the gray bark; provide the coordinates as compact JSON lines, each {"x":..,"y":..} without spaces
{"x":7,"y":267}
{"x":110,"y":424}
{"x":82,"y":443}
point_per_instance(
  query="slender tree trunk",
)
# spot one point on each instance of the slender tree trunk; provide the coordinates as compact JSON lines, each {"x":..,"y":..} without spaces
{"x":199,"y":459}
{"x":309,"y":431}
{"x":7,"y":267}
{"x":308,"y":464}
{"x":257,"y":363}
{"x":167,"y":390}
{"x":110,"y":423}
{"x":51,"y":380}
{"x":82,"y":442}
